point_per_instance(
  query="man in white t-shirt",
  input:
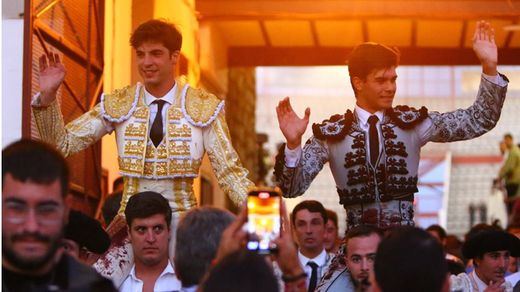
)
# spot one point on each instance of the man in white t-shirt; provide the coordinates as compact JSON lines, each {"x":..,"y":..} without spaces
{"x":148,"y":217}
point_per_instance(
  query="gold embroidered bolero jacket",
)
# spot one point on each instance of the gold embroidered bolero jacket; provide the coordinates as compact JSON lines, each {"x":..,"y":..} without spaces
{"x":195,"y":124}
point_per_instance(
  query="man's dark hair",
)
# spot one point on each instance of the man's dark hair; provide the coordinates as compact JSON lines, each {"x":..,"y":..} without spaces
{"x":508,"y":136}
{"x":479,"y":243}
{"x":111,"y":206}
{"x":241,"y":271}
{"x":368,"y":57}
{"x":147,"y":204}
{"x":331,"y":215}
{"x":455,"y":267}
{"x":87,"y":232}
{"x":35,"y":161}
{"x":363,"y":231}
{"x":117,"y":182}
{"x":157,"y":30}
{"x":476,"y":229}
{"x":197,"y":241}
{"x":437,"y":229}
{"x":410,"y":259}
{"x":312,"y":206}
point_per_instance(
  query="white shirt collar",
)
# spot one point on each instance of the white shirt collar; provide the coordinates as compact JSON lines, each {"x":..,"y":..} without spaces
{"x":168,"y":270}
{"x":363,"y":115}
{"x":169,"y":97}
{"x":320,"y":259}
{"x":480,"y":284}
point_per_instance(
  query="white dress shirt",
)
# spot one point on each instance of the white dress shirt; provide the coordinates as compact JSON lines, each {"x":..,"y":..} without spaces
{"x":322,"y":260}
{"x":167,"y":281}
{"x":513,"y":278}
{"x":169,"y":97}
{"x":480,"y":286}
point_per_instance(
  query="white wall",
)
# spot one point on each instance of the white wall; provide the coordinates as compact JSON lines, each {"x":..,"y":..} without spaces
{"x":12,"y":71}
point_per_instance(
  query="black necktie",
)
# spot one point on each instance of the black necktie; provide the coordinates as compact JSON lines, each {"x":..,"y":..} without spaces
{"x":314,"y":276}
{"x":156,"y":134}
{"x":373,"y":139}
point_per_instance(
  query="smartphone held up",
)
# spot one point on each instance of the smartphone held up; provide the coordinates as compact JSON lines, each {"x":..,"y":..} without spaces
{"x":263,"y":219}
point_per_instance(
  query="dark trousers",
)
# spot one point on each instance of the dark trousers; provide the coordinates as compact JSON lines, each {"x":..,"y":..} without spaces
{"x":511,"y":190}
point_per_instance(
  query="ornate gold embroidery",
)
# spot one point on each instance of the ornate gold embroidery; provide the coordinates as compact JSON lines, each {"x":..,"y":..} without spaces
{"x":150,"y":152}
{"x":161,"y":168}
{"x":118,"y":103}
{"x":162,"y":151}
{"x":131,"y":186}
{"x":141,"y":113}
{"x":179,"y":148}
{"x":181,"y":184}
{"x":174,"y":113}
{"x":134,"y":147}
{"x":76,"y":136}
{"x":180,"y":166}
{"x":148,"y":168}
{"x":200,"y":105}
{"x":130,"y":166}
{"x":179,"y":131}
{"x":136,"y":130}
{"x":231,"y":175}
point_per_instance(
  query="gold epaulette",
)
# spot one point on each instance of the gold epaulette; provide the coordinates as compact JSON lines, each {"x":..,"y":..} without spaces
{"x":119,"y":105}
{"x":201,"y":108}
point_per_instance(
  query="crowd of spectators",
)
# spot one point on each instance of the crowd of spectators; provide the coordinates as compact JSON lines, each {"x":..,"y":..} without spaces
{"x":48,"y":247}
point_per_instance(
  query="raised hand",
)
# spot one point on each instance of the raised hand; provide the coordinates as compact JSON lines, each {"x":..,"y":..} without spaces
{"x":52,"y":74}
{"x":291,"y":125}
{"x":485,"y":47}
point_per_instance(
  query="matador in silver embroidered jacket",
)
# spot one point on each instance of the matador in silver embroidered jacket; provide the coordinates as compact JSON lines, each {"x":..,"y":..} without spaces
{"x":383,"y":195}
{"x":374,"y":151}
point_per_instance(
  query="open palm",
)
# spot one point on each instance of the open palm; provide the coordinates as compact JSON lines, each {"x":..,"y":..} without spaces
{"x":52,"y":74}
{"x":484,"y":44}
{"x":292,"y":126}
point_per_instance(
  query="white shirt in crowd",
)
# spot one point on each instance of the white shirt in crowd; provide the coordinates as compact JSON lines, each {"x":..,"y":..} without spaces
{"x":167,"y":281}
{"x":322,"y":260}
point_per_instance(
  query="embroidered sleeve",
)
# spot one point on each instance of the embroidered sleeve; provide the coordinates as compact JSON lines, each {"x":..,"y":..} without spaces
{"x":479,"y":118}
{"x":77,"y":135}
{"x":294,"y":181}
{"x":335,"y":128}
{"x":231,"y":175}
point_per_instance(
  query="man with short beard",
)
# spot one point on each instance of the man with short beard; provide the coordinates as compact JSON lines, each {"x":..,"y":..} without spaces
{"x":34,"y":186}
{"x":362,"y":243}
{"x":351,"y":270}
{"x":490,"y":251}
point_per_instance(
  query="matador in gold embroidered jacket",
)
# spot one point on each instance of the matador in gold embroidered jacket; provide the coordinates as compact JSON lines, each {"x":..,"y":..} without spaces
{"x":194,"y":125}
